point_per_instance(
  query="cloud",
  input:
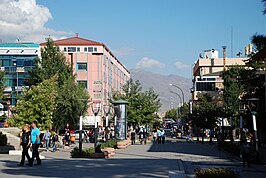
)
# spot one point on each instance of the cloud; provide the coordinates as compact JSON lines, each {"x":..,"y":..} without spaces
{"x":124,"y":51}
{"x":179,"y":65}
{"x":146,"y":63}
{"x":25,"y":19}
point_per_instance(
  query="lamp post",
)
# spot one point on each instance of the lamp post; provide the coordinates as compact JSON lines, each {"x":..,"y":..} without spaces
{"x":253,"y":114}
{"x":178,"y":112}
{"x":107,"y":110}
{"x":180,"y":90}
{"x":178,"y":96}
{"x":96,"y":106}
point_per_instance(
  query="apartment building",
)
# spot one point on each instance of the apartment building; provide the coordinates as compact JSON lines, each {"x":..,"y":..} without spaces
{"x":97,"y":69}
{"x":207,"y":72}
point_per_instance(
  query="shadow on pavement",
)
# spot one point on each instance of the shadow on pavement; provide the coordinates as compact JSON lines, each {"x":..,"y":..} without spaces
{"x":92,"y":168}
{"x":187,"y":148}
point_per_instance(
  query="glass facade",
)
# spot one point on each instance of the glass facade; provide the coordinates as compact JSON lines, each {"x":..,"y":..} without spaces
{"x":16,"y":69}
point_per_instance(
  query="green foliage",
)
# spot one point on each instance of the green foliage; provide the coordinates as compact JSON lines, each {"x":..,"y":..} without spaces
{"x":205,"y":112}
{"x":71,"y":99}
{"x":3,"y":139}
{"x":71,"y":102}
{"x":233,"y":87}
{"x":2,"y":87}
{"x":37,"y":104}
{"x":142,"y":106}
{"x":110,"y":144}
{"x":215,"y":173}
{"x":86,"y":153}
{"x":172,"y":113}
{"x":259,"y":41}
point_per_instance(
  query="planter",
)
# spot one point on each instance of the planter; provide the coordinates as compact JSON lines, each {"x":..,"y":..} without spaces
{"x":98,"y":155}
{"x":123,"y":144}
{"x":108,"y":152}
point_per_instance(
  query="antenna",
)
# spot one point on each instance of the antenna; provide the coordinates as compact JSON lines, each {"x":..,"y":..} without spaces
{"x":232,"y":51}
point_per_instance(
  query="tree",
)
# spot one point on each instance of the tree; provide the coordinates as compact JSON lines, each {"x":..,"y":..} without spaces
{"x":2,"y":87}
{"x":142,"y":106}
{"x":72,"y":99}
{"x":205,"y":112}
{"x":37,"y":104}
{"x":71,"y":104}
{"x":259,"y":41}
{"x":172,"y":113}
{"x":234,"y":87}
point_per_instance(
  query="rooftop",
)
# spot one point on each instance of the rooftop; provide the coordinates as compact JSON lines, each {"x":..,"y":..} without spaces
{"x":19,"y":45}
{"x":75,"y":41}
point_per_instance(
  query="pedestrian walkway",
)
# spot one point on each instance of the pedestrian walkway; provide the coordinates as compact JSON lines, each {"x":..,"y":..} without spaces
{"x":151,"y":160}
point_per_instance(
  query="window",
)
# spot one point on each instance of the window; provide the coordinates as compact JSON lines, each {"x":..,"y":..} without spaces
{"x":78,"y":49}
{"x":90,"y":49}
{"x":95,"y":49}
{"x":85,"y":49}
{"x":83,"y":84}
{"x":205,"y":86}
{"x":65,"y":49}
{"x":71,"y":49}
{"x":28,"y":63}
{"x":82,"y":66}
{"x":20,"y":62}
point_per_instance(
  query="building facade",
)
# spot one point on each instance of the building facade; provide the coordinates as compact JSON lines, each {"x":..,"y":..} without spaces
{"x":207,"y":72}
{"x":97,"y":69}
{"x":16,"y":60}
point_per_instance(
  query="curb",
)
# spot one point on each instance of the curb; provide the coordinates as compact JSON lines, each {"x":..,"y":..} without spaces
{"x":180,"y":172}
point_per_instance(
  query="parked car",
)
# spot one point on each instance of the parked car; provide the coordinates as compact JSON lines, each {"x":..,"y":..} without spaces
{"x":76,"y":134}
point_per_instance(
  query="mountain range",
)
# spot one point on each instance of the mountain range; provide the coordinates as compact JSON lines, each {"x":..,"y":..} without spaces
{"x":160,"y":84}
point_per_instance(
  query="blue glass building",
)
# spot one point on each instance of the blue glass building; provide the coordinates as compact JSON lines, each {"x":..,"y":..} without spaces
{"x":16,"y":60}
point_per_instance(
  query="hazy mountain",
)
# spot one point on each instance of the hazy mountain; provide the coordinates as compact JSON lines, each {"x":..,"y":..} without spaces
{"x":160,"y":84}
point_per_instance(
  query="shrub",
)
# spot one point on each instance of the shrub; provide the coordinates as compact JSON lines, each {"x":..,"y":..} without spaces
{"x":111,"y":144}
{"x":86,"y":153}
{"x":3,"y":139}
{"x":215,"y":173}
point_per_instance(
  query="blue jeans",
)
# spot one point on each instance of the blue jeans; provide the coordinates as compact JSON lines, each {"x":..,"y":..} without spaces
{"x":47,"y":141}
{"x":54,"y":147}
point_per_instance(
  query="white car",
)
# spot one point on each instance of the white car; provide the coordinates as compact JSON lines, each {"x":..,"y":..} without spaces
{"x":76,"y":134}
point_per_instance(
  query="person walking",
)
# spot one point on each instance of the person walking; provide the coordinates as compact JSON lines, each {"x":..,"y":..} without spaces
{"x":25,"y":143}
{"x":55,"y":141}
{"x":159,"y":135}
{"x":133,"y":136}
{"x":245,"y":151}
{"x":47,"y":136}
{"x":163,"y":136}
{"x":154,"y":136}
{"x":35,"y":141}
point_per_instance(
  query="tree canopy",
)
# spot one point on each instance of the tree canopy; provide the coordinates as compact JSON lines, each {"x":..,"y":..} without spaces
{"x":142,"y":106}
{"x":37,"y":104}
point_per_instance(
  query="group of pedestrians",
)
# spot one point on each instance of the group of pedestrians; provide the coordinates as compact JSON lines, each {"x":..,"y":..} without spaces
{"x":30,"y":138}
{"x":158,"y":136}
{"x":141,"y":132}
{"x":50,"y":138}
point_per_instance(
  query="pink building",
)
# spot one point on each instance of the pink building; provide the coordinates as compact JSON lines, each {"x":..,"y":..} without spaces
{"x":97,"y":69}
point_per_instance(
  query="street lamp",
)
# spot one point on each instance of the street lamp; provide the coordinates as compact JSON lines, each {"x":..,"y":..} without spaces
{"x":253,"y":113}
{"x":180,"y":90}
{"x":107,"y":111}
{"x":96,"y":106}
{"x":178,"y":96}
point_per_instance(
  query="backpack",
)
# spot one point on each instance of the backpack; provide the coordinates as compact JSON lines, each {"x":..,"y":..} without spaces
{"x":55,"y":138}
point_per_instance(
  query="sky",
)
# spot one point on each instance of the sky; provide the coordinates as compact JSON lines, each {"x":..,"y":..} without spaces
{"x":161,"y":36}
